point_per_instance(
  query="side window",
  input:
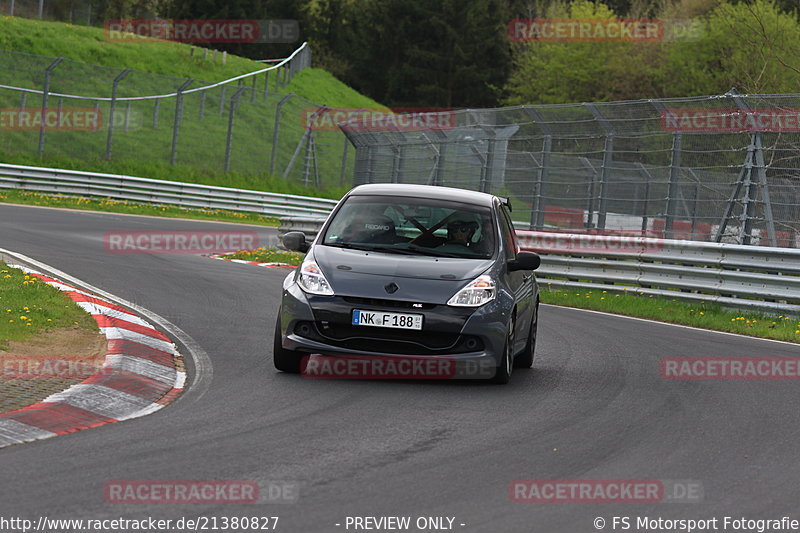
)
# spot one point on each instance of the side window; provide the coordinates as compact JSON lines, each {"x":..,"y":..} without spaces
{"x":510,"y":245}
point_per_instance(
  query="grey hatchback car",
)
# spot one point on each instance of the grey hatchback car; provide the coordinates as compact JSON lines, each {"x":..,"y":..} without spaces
{"x":412,"y":271}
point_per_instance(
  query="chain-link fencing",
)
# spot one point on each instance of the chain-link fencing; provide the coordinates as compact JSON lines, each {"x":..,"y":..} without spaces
{"x":722,"y":168}
{"x":247,"y":124}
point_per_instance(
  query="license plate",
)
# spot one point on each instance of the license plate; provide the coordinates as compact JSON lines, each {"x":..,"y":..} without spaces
{"x":382,"y":319}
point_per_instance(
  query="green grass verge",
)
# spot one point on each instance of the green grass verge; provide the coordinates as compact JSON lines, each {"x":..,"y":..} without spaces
{"x":113,"y":206}
{"x":268,"y":255}
{"x":29,"y":306}
{"x":700,"y":315}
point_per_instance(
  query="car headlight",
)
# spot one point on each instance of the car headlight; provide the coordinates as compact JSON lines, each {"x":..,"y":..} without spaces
{"x":479,"y":291}
{"x":312,"y":280}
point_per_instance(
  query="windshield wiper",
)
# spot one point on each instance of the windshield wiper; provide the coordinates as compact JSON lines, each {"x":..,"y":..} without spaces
{"x":365,"y":248}
{"x":430,"y":251}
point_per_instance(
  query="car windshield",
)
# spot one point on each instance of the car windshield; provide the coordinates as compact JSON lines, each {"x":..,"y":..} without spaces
{"x":413,"y":226}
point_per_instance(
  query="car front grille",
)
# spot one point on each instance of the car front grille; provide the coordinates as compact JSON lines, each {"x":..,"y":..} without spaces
{"x":388,"y":303}
{"x":387,"y":340}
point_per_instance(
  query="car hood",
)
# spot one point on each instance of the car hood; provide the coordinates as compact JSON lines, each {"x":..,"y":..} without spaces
{"x":423,"y":278}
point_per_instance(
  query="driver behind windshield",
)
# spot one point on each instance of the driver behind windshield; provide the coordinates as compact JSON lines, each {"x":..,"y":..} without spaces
{"x":461,"y":228}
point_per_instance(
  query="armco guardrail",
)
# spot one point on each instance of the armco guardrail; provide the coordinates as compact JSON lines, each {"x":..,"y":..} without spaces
{"x":129,"y":188}
{"x":746,"y":277}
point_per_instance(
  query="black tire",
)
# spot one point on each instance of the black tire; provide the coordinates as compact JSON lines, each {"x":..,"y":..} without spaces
{"x":525,"y":358}
{"x":502,"y":374}
{"x":284,"y":360}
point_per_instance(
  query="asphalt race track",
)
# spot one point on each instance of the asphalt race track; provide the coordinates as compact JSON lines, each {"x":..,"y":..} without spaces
{"x":594,"y":407}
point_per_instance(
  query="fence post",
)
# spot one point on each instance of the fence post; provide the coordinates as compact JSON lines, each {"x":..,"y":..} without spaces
{"x":11,"y":9}
{"x":648,"y":177}
{"x":221,"y":99}
{"x":590,"y":196}
{"x":760,"y":180}
{"x":275,"y":131}
{"x":674,"y":177}
{"x":309,"y":159}
{"x":438,"y":174}
{"x":694,"y":210}
{"x":234,"y":101}
{"x":344,"y":161}
{"x":178,"y":116}
{"x":253,"y":92}
{"x":608,"y":160}
{"x":488,"y":175}
{"x":202,"y":104}
{"x":372,"y":155}
{"x":542,"y":176}
{"x":266,"y":84}
{"x":397,"y":163}
{"x":749,"y":199}
{"x":112,"y":109}
{"x":47,"y":72}
{"x":41,"y":9}
{"x":482,"y":182}
{"x":761,"y":172}
{"x":308,"y":139}
{"x":155,"y":113}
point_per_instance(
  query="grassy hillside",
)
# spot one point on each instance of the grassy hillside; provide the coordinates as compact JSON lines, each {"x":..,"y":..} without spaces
{"x":142,"y":146}
{"x":87,"y":44}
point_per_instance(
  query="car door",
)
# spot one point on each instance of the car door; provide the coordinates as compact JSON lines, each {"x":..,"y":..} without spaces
{"x":520,"y":282}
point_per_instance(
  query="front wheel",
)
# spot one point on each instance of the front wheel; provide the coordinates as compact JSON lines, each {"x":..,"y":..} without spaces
{"x":525,"y":359}
{"x":283,"y":359}
{"x":502,"y":374}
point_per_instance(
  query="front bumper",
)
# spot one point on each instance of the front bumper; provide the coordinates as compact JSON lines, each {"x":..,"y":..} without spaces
{"x":473,"y":339}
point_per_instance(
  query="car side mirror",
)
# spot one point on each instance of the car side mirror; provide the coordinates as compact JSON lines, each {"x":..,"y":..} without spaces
{"x":525,"y":261}
{"x":295,"y":241}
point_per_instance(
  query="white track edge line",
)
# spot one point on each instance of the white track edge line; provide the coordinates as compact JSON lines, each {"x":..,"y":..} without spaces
{"x":653,"y":321}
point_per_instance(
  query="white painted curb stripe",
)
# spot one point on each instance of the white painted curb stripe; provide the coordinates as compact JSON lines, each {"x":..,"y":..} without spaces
{"x":101,"y":400}
{"x":12,"y":432}
{"x":137,"y":365}
{"x":112,"y":333}
{"x":98,"y":399}
{"x":94,"y":309}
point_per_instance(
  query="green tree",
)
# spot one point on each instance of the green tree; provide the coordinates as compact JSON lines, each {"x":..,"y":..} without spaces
{"x":431,"y":52}
{"x":753,"y":47}
{"x":556,"y":72}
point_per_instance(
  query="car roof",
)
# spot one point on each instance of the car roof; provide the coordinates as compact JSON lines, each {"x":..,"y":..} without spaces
{"x":425,"y":191}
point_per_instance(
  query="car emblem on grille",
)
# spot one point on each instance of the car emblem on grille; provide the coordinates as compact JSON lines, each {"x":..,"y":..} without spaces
{"x":391,"y":288}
